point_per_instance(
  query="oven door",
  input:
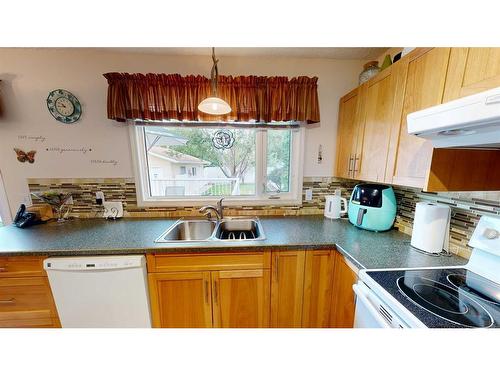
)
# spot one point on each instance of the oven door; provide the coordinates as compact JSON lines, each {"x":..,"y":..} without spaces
{"x":371,"y":312}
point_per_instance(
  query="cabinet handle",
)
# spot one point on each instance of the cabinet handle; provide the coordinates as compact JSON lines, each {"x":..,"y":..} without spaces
{"x":7,"y":301}
{"x":276,"y":268}
{"x":354,"y":170}
{"x":350,"y":164}
{"x":206,"y":292}
{"x":3,"y":269}
{"x":216,"y":297}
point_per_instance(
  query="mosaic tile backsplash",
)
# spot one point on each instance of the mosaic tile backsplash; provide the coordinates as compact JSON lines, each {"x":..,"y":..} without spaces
{"x":123,"y":189}
{"x":466,"y":208}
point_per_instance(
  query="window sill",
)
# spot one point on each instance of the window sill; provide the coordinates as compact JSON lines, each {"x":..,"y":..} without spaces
{"x":228,"y":202}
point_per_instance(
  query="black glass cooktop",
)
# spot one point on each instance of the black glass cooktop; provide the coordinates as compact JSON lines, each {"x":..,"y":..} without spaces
{"x":444,"y":298}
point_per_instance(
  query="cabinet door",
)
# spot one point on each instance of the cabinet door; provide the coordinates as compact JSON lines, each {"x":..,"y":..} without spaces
{"x":349,"y":118}
{"x":472,"y":70}
{"x":241,"y":298}
{"x":181,"y":299}
{"x":27,"y":302}
{"x":424,"y":73}
{"x":318,"y":288}
{"x":382,"y":113}
{"x":343,"y":298}
{"x":287,"y":288}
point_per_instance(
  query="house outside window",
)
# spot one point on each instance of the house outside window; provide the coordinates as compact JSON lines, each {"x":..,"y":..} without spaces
{"x":184,"y":164}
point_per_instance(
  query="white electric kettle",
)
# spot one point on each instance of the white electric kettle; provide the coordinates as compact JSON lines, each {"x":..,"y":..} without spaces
{"x":333,"y":206}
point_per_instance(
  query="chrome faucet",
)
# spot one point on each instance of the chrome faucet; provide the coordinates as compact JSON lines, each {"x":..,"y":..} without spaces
{"x":219,"y":210}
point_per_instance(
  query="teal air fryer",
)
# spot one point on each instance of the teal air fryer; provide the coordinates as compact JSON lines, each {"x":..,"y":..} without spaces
{"x":372,"y":207}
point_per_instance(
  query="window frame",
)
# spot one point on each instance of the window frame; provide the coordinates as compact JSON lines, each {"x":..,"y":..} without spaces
{"x":261,"y":198}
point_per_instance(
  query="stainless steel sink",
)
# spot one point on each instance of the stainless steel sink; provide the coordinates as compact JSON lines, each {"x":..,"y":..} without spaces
{"x":228,"y":229}
{"x":239,"y":229}
{"x":188,"y":230}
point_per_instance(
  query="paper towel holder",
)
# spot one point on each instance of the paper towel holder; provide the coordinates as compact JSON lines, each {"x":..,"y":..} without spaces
{"x":421,"y":229}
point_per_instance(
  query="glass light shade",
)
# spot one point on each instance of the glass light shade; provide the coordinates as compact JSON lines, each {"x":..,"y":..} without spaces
{"x":214,"y":106}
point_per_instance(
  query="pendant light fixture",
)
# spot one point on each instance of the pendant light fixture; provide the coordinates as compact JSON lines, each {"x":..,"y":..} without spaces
{"x":214,"y":105}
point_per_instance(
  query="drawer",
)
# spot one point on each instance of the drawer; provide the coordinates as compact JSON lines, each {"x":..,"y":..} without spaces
{"x":208,"y":262}
{"x":26,"y":299}
{"x":21,"y":266}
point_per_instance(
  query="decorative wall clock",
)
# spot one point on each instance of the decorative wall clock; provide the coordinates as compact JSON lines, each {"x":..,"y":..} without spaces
{"x":64,"y":106}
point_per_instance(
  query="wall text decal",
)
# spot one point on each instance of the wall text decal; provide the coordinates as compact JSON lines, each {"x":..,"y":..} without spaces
{"x":112,"y":162}
{"x":35,"y":138}
{"x":62,"y":150}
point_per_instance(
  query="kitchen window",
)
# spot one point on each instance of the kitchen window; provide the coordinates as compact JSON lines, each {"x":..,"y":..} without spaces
{"x":181,"y":165}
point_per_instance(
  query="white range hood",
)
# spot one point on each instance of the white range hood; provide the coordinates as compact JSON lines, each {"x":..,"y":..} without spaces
{"x":469,"y":122}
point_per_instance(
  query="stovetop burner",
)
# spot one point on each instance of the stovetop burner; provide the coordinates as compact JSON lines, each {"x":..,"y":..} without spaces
{"x":477,"y":287}
{"x":444,"y":298}
{"x":445,"y":302}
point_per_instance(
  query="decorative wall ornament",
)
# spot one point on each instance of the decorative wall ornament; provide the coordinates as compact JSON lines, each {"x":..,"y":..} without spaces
{"x":223,"y":139}
{"x":64,"y":106}
{"x":25,"y":156}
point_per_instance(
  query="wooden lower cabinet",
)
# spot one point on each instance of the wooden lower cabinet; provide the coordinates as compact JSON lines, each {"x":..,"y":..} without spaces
{"x":287,"y":288}
{"x":26,"y":300}
{"x":318,"y":281}
{"x":210,"y":294}
{"x":241,"y":298}
{"x":302,"y":288}
{"x":181,"y":299}
{"x":343,"y":297}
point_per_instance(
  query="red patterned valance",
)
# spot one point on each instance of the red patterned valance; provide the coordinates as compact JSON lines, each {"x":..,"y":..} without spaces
{"x":160,"y":97}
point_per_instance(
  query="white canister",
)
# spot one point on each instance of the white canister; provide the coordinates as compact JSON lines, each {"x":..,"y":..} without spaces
{"x":333,"y":206}
{"x":431,"y":227}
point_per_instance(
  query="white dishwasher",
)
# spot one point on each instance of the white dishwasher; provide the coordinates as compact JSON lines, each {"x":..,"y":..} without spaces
{"x":100,"y":292}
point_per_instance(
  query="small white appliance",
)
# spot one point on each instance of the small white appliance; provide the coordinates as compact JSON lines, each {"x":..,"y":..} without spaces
{"x":471,"y":122}
{"x":436,"y":297}
{"x":100,"y":292}
{"x":333,"y":205}
{"x":431,"y":227}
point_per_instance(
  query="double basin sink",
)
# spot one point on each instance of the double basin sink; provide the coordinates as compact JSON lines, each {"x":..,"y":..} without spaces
{"x":229,"y":229}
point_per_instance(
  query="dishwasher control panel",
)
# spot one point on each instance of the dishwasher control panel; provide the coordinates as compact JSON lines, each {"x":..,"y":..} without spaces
{"x":94,"y":263}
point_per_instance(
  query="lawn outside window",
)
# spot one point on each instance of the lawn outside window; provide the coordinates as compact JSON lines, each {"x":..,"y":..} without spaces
{"x":189,"y":166}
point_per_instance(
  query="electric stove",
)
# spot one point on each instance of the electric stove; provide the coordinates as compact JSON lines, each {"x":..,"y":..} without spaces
{"x":452,"y":297}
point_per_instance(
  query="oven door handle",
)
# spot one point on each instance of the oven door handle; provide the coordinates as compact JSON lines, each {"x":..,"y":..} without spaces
{"x":361,"y":294}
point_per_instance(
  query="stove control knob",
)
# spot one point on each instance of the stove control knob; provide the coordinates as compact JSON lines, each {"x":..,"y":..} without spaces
{"x":491,"y":234}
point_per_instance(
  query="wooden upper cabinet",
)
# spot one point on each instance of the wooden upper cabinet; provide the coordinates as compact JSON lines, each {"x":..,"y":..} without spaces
{"x":181,"y":299}
{"x":287,"y":287}
{"x":318,"y":288}
{"x":381,"y":115}
{"x":343,"y":298}
{"x":241,"y":298}
{"x":423,"y":74}
{"x":350,"y":110}
{"x":472,"y":70}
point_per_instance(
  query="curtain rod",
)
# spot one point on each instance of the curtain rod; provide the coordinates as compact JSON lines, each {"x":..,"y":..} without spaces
{"x":212,"y":124}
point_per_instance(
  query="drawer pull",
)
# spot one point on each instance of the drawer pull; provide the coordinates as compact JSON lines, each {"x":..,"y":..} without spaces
{"x":7,"y":301}
{"x":206,"y":292}
{"x":3,"y":269}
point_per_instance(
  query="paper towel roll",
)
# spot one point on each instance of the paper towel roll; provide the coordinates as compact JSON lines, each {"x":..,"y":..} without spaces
{"x":430,"y":227}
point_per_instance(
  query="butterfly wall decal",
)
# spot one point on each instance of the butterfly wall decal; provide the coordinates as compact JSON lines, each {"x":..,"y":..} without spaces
{"x":25,"y":156}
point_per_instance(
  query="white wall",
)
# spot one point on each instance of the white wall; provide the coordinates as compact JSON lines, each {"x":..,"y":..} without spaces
{"x":29,"y":74}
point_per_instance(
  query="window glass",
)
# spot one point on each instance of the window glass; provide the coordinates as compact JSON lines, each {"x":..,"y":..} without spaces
{"x":200,"y":161}
{"x":278,"y":161}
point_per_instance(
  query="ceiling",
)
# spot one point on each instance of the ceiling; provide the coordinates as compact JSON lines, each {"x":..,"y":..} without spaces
{"x":342,"y":53}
